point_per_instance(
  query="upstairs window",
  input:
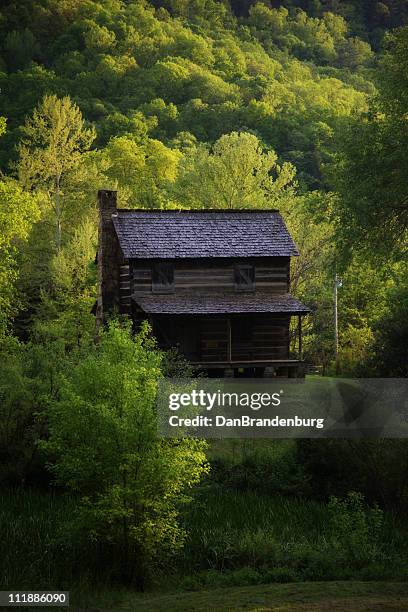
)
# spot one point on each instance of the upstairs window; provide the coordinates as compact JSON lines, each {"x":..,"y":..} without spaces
{"x":244,"y":276}
{"x":163,"y":278}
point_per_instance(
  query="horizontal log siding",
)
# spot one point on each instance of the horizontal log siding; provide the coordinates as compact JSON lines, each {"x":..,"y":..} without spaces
{"x":213,"y":339}
{"x":125,"y":289}
{"x":206,"y":277}
{"x":267,"y":337}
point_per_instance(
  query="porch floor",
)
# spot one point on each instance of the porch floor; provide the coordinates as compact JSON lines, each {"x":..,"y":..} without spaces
{"x":249,"y":364}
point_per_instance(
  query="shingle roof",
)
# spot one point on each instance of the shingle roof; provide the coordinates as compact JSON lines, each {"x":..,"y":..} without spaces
{"x":179,"y":234}
{"x":220,"y":303}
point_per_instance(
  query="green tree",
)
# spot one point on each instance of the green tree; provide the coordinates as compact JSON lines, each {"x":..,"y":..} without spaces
{"x":66,"y":310}
{"x":371,"y":167}
{"x":354,"y":52}
{"x":20,"y":47}
{"x":390,"y":348}
{"x":103,"y":446}
{"x":143,"y":173}
{"x":54,"y":139}
{"x":237,"y":172}
{"x":18,"y":212}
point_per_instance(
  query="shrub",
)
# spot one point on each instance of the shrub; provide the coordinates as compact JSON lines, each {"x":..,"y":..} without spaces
{"x":28,"y":376}
{"x":356,"y":529}
{"x":103,"y":447}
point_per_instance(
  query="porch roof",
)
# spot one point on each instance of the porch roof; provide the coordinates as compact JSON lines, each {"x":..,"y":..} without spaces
{"x":220,"y":303}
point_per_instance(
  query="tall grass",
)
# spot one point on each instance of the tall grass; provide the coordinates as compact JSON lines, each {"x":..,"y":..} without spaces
{"x":35,"y":551}
{"x":29,"y":529}
{"x":233,"y":537}
{"x":286,"y":538}
{"x":265,"y":466}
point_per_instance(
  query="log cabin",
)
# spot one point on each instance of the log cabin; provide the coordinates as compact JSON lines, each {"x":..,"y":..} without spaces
{"x":212,"y":283}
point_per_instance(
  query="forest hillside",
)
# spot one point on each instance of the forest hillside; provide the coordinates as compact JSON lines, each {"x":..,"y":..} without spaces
{"x":166,"y":97}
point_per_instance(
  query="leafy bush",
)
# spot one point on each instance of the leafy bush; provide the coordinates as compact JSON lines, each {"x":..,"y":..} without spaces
{"x":28,"y":377}
{"x":356,"y":529}
{"x":16,"y":416}
{"x":103,"y":447}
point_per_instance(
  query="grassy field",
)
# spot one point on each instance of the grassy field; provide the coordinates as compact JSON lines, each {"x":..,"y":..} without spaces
{"x":317,"y":596}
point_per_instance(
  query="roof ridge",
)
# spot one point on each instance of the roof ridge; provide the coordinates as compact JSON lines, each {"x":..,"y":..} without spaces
{"x":200,"y":210}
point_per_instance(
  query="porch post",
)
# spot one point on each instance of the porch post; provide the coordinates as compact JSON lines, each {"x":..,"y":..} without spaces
{"x":229,"y":351}
{"x":300,"y":335}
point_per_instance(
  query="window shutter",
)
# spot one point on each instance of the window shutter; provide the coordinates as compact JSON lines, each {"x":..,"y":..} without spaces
{"x":244,"y":277}
{"x":163,"y":278}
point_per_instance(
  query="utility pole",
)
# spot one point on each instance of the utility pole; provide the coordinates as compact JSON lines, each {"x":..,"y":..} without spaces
{"x":337,"y":283}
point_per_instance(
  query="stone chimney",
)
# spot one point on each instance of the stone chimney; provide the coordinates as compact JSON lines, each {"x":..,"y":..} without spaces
{"x":109,"y":257}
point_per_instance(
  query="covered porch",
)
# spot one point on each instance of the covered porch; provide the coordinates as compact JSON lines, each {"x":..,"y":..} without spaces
{"x":230,"y":335}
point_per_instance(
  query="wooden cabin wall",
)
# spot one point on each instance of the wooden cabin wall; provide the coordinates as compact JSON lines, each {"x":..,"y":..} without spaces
{"x":125,"y":302}
{"x":260,"y":337}
{"x":214,"y":275}
{"x":254,"y":337}
{"x":213,"y":336}
{"x":206,"y":338}
{"x":178,"y":331}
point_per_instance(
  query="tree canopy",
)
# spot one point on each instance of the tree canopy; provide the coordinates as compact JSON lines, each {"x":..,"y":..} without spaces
{"x":207,"y":104}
